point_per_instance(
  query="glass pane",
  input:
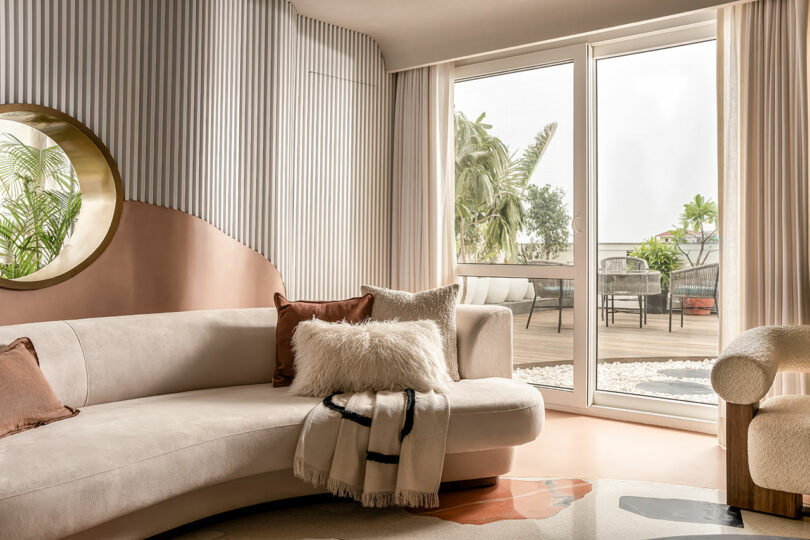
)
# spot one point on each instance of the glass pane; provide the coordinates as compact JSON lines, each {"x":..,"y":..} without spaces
{"x":543,"y":337}
{"x":657,"y":190}
{"x":514,"y":166}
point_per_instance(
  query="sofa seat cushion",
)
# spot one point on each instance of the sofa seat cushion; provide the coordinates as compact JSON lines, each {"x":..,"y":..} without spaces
{"x":116,"y":458}
{"x":779,"y":444}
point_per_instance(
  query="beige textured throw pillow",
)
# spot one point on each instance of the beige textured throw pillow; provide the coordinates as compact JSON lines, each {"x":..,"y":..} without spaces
{"x":377,"y":356}
{"x":437,"y":305}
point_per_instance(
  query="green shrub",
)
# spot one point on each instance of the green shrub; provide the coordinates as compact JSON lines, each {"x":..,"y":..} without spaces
{"x":661,"y":256}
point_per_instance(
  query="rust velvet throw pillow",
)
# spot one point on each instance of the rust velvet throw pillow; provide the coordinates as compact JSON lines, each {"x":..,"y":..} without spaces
{"x":26,"y":399}
{"x":290,"y":314}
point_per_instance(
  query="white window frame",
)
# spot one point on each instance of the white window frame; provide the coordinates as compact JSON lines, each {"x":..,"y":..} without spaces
{"x":702,"y":416}
{"x":584,"y":398}
{"x":576,"y":55}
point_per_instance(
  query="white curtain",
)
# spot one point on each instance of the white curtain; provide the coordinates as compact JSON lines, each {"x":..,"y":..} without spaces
{"x":423,"y":249}
{"x":763,"y":168}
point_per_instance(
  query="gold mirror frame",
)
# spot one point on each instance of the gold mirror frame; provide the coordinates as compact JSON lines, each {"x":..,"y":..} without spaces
{"x":100,"y":185}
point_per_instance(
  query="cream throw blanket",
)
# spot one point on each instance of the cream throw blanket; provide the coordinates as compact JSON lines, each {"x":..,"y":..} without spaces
{"x":379,"y":448}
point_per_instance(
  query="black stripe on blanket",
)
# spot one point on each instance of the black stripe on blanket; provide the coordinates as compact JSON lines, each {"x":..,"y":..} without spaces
{"x":410,"y":403}
{"x":348,"y":415}
{"x":382,"y":458}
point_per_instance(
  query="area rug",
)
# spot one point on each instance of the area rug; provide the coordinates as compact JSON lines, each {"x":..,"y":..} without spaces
{"x":516,"y":508}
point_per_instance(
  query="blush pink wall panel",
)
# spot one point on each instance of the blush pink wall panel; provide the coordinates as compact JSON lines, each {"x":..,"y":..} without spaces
{"x":160,"y":260}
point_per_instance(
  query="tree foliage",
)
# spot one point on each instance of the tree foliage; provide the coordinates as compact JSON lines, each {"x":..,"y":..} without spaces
{"x":490,"y":188}
{"x":39,"y":204}
{"x":547,"y":220}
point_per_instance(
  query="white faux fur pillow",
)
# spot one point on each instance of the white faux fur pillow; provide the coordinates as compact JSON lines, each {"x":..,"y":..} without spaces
{"x":391,"y":355}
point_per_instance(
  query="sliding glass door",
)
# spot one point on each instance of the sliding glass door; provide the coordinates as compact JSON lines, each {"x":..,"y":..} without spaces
{"x":656,"y":261}
{"x":520,"y":209}
{"x":586,"y":193}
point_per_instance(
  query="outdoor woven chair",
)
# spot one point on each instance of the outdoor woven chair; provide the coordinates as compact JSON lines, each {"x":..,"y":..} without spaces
{"x":545,"y":288}
{"x":696,"y":282}
{"x":626,"y":276}
{"x":623,"y":264}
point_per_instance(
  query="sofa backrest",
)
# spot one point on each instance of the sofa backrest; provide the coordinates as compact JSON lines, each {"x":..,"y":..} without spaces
{"x":92,"y":361}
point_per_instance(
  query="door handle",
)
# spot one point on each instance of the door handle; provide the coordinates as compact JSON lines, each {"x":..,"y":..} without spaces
{"x":576,"y":224}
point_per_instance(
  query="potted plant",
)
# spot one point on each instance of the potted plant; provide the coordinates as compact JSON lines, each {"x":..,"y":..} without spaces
{"x":698,"y":227}
{"x":663,"y":257}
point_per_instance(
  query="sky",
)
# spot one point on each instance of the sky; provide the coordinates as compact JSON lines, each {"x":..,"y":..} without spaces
{"x":656,"y":132}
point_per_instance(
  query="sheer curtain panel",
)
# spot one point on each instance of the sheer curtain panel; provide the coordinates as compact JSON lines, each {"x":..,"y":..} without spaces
{"x":423,"y":249}
{"x":762,"y":145}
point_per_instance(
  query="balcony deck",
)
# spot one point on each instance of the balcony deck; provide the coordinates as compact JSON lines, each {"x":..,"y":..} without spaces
{"x":541,"y":344}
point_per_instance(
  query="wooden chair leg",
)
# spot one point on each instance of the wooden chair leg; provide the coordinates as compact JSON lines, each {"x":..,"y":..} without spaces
{"x":640,"y":313}
{"x":682,"y":299}
{"x":742,"y":492}
{"x":531,"y":311}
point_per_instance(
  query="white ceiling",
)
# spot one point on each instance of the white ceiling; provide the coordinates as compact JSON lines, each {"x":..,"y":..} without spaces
{"x":417,"y":32}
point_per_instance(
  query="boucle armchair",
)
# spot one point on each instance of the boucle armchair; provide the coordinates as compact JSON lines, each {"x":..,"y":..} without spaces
{"x":768,"y":445}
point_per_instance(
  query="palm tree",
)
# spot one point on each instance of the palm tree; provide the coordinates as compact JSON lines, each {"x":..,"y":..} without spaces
{"x":39,"y":204}
{"x":490,"y":188}
{"x":481,"y":162}
{"x":697,"y":214}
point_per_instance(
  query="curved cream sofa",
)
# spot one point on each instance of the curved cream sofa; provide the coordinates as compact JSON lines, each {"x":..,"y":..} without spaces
{"x":179,"y":421}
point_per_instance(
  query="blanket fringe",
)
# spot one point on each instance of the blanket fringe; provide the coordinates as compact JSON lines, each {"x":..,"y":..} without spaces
{"x":380,"y":499}
{"x":416,"y":499}
{"x":309,"y":474}
{"x":318,"y":478}
{"x":342,"y":489}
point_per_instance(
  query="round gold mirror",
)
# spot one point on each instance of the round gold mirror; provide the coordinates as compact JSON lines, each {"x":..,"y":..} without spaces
{"x":60,"y":196}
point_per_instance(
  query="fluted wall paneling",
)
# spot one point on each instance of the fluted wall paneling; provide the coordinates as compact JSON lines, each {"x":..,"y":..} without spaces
{"x":273,"y":127}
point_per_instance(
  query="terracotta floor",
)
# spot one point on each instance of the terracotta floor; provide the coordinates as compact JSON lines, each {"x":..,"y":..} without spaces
{"x":574,"y":446}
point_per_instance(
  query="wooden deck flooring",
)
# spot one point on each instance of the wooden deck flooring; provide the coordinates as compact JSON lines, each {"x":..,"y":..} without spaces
{"x":541,"y":343}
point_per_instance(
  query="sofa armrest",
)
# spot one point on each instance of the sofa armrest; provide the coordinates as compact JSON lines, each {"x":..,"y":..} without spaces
{"x":484,"y":341}
{"x":745,"y":371}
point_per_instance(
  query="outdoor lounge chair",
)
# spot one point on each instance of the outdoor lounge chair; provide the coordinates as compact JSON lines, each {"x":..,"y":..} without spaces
{"x":626,"y":276}
{"x":696,"y":282}
{"x":550,"y":288}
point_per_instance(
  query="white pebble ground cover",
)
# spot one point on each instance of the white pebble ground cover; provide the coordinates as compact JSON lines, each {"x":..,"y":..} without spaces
{"x":623,"y":377}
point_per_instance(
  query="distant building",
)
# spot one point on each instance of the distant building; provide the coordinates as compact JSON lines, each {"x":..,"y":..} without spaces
{"x":692,"y":237}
